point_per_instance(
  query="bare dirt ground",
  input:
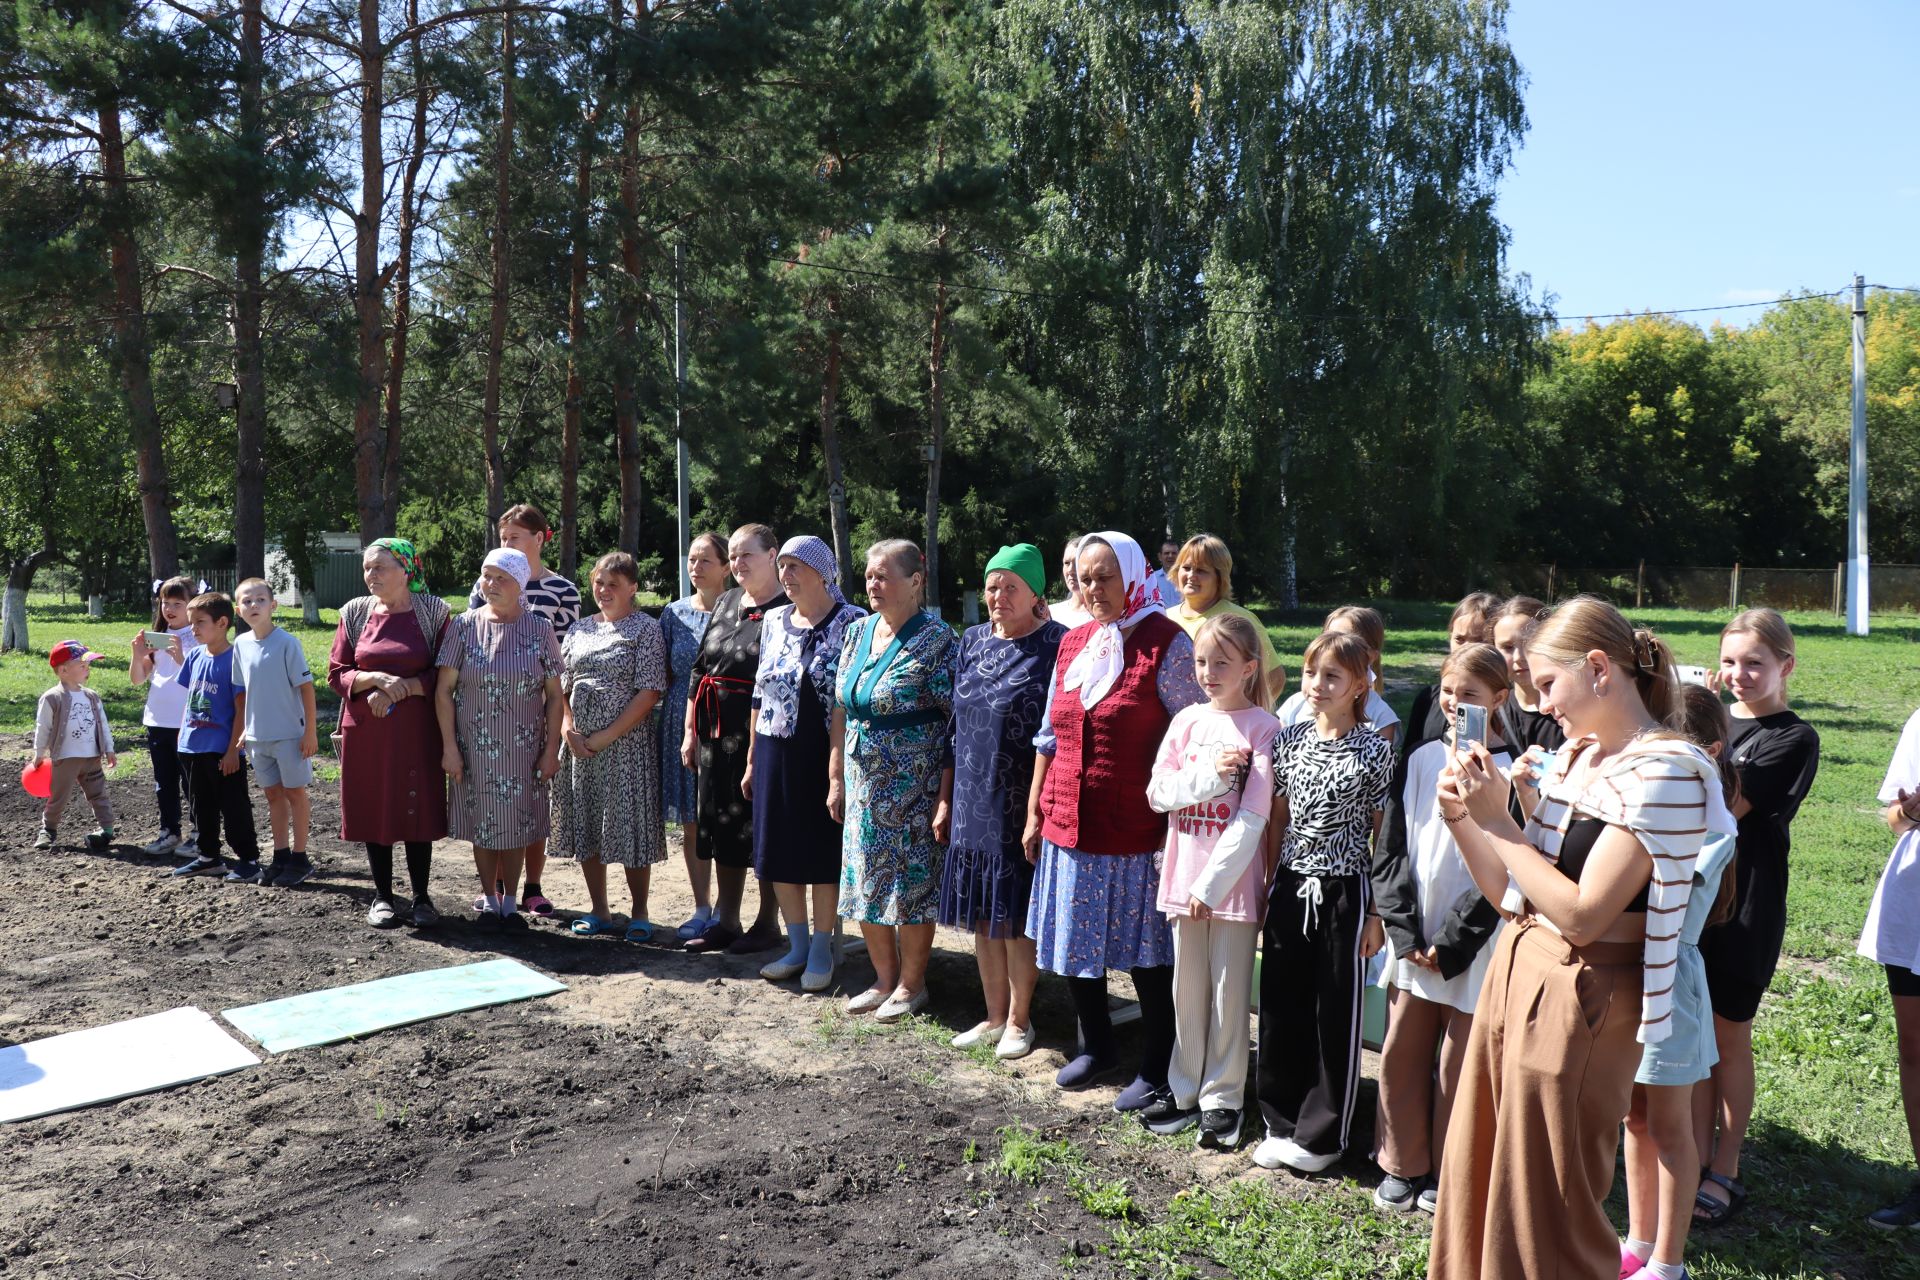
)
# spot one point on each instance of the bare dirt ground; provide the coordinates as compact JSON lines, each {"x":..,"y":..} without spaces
{"x":668,"y":1114}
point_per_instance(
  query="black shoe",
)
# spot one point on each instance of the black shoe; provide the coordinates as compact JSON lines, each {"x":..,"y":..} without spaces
{"x":1137,"y":1096}
{"x":200,"y":865}
{"x":1903,"y":1215}
{"x":513,"y":922}
{"x":1220,"y":1129}
{"x":100,"y":839}
{"x":1397,"y":1194}
{"x":245,"y":873}
{"x":487,"y":922}
{"x":424,"y":914}
{"x":1165,"y":1116}
{"x":297,"y":869}
{"x":275,"y":867}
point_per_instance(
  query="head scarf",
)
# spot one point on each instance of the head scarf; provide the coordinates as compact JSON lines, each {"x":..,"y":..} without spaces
{"x":509,"y":562}
{"x":1022,"y":559}
{"x":817,"y":556}
{"x":1095,"y":668}
{"x":409,"y":559}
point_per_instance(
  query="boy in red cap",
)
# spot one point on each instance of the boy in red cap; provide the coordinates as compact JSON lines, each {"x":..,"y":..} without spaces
{"x":70,"y":729}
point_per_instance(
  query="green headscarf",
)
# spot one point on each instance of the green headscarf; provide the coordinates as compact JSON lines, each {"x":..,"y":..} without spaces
{"x":410,"y":560}
{"x":1022,"y":559}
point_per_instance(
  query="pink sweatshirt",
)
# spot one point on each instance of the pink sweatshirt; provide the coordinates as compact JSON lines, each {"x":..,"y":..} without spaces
{"x":1213,"y":841}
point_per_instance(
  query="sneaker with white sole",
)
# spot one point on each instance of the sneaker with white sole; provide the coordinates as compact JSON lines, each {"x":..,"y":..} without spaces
{"x":45,"y":839}
{"x":1219,"y":1129}
{"x":200,"y":865}
{"x":1397,"y":1194}
{"x":244,"y":873}
{"x":188,"y":848}
{"x":381,"y":914}
{"x":1901,"y":1215}
{"x":164,"y":843}
{"x":1429,"y":1198}
{"x":1285,"y":1153}
{"x":1165,"y":1115}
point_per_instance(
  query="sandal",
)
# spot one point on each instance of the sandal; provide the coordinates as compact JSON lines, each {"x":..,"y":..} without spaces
{"x":1709,"y":1211}
{"x":640,"y":931}
{"x":591,"y":926}
{"x":537,"y":904}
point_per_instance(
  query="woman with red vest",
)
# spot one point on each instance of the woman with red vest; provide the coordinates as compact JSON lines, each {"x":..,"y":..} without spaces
{"x":1119,"y":680}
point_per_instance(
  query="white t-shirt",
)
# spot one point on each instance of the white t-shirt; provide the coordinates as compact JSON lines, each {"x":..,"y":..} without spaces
{"x":1161,"y":586}
{"x":79,"y":740}
{"x":1892,"y":933}
{"x":1295,"y":709}
{"x":166,"y":696}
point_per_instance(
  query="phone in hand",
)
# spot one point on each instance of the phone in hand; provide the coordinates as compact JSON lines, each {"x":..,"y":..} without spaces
{"x":158,"y":641}
{"x":1691,"y":675}
{"x":1469,"y":726}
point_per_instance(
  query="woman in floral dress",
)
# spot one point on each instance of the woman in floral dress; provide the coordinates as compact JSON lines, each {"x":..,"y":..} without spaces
{"x":499,"y":704}
{"x":606,"y":801}
{"x":889,"y":776}
{"x":683,"y":623}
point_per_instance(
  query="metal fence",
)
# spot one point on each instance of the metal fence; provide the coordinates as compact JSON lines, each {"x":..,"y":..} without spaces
{"x":1892,"y":587}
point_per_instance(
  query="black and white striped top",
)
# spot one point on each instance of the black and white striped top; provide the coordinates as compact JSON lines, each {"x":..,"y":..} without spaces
{"x":553,"y":597}
{"x":1333,"y":787}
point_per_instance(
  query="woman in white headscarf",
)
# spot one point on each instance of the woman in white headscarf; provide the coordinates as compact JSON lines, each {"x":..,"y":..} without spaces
{"x":500,"y":706}
{"x":1120,"y":678}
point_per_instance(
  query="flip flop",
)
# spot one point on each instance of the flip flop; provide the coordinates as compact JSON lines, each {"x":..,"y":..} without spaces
{"x":591,"y":926}
{"x":538,"y":905}
{"x":640,"y":931}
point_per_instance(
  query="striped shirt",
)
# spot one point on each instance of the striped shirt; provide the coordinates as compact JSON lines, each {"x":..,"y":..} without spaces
{"x":1658,"y":790}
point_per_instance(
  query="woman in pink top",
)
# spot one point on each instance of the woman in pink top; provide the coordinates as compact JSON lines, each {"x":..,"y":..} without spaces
{"x":1215,"y":776}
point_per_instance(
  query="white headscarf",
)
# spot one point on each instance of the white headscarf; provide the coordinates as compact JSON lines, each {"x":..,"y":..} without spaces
{"x":511,"y":563}
{"x":1095,"y":668}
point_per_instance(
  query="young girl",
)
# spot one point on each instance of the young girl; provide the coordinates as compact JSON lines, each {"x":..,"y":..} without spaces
{"x":1663,"y":1164}
{"x":1371,"y":629}
{"x":1438,"y":926}
{"x":1215,"y":776}
{"x":1776,"y":754}
{"x":1527,"y":725}
{"x":159,"y":669}
{"x":1471,"y":623}
{"x":1891,"y":938}
{"x":1331,"y":774}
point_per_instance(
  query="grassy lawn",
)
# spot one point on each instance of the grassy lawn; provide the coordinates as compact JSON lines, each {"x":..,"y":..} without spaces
{"x":1828,"y":1143}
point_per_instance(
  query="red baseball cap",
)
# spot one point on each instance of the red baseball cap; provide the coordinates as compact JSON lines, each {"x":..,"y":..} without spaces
{"x":70,"y":651}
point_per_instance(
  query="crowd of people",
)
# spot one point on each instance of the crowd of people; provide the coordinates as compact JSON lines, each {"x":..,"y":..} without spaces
{"x":1567,"y":867}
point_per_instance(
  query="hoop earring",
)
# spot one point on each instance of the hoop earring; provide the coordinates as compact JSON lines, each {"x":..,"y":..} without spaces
{"x":1599,"y":689}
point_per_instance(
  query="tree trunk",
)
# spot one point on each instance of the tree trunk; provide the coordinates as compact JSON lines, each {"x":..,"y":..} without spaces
{"x":830,"y":450}
{"x":1289,"y":525}
{"x":369,"y":450}
{"x":131,"y":352}
{"x":403,"y":280}
{"x":576,"y":337}
{"x":937,"y":428}
{"x":13,"y":613}
{"x":626,"y":415}
{"x":249,"y":364}
{"x":497,"y":320}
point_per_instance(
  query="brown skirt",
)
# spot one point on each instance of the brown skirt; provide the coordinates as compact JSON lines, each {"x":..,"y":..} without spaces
{"x":1530,"y":1150}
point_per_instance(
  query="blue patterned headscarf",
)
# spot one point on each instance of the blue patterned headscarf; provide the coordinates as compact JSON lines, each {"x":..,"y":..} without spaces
{"x":817,"y":556}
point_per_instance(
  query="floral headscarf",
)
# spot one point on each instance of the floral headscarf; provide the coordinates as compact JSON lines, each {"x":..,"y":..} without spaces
{"x":409,"y":559}
{"x":1097,"y":667}
{"x":817,"y":556}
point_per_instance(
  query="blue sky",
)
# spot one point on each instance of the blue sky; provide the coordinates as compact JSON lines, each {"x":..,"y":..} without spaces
{"x":1705,"y":152}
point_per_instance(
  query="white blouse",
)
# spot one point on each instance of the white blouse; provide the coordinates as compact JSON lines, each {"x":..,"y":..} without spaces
{"x":1892,"y":933}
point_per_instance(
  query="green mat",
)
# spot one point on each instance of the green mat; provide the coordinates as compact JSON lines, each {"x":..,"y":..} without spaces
{"x":343,"y":1013}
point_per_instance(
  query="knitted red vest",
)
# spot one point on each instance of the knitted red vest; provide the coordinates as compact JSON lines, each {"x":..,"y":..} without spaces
{"x":1096,"y":790}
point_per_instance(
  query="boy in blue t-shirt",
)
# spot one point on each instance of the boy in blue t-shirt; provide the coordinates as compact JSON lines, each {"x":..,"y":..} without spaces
{"x":210,"y":733}
{"x":270,"y":670}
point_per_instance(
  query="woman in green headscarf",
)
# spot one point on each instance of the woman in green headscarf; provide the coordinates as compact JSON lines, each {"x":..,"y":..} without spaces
{"x":391,"y":788}
{"x":1005,"y":669}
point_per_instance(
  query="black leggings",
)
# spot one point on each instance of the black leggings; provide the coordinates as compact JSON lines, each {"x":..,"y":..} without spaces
{"x":1154,"y":986}
{"x":419,"y":864}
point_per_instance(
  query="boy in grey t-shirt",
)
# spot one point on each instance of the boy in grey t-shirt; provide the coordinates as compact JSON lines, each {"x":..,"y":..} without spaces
{"x":270,"y":667}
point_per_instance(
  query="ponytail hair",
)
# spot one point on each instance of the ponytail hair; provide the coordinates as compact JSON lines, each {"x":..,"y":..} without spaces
{"x":1572,"y":629}
{"x":1705,"y":723}
{"x":1349,"y":652}
{"x":1240,"y":635}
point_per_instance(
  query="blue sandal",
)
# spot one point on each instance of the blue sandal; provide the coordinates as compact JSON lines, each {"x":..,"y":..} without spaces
{"x":640,"y":931}
{"x":591,"y":926}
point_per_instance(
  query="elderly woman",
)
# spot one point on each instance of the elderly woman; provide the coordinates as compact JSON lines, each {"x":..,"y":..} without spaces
{"x":890,"y":778}
{"x":796,"y":841}
{"x":500,"y":707}
{"x":606,"y":801}
{"x":391,"y":791}
{"x":683,"y":623}
{"x":1004,"y":670}
{"x":718,"y":730}
{"x":1072,"y":611}
{"x":1119,"y":680}
{"x":1203,"y":572}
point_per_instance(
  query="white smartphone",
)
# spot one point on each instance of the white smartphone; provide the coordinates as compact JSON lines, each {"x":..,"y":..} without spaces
{"x":1691,"y":675}
{"x":1469,"y":726}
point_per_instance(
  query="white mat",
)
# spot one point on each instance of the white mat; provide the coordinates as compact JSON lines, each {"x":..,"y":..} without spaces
{"x":119,"y":1060}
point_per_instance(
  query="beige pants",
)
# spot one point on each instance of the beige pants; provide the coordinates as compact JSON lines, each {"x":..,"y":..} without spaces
{"x":1212,"y":1000}
{"x":1549,"y":1074}
{"x":1416,"y":1095}
{"x":85,"y":771}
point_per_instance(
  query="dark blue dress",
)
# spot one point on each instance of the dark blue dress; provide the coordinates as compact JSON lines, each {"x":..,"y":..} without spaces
{"x":999,"y":701}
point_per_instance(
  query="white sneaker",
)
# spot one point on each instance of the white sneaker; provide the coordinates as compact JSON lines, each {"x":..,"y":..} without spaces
{"x":867,"y":1001}
{"x":165,"y":842}
{"x":978,"y":1035}
{"x":188,"y":848}
{"x":1278,"y":1153}
{"x":1015,"y":1042}
{"x":895,"y":1008}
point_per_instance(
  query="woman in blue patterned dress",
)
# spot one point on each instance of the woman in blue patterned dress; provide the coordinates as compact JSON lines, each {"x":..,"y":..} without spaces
{"x":682,"y":623}
{"x":796,"y":841}
{"x":890,"y":778}
{"x":1005,"y":669}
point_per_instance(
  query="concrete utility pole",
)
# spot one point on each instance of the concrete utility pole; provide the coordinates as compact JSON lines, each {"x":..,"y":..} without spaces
{"x":1857,"y":471}
{"x":682,"y":481}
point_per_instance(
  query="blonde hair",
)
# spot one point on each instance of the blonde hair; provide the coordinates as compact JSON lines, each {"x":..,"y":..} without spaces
{"x":1766,"y":626}
{"x":1348,"y":652}
{"x":1480,"y":662}
{"x":244,"y":583}
{"x":1212,"y":552}
{"x":1572,"y":629}
{"x":1370,"y":627}
{"x":1242,"y":637}
{"x":1480,"y":606}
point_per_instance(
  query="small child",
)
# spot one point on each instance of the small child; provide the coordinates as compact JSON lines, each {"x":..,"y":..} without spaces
{"x":210,"y":733}
{"x":1215,"y":775}
{"x":1438,"y":928}
{"x":158,"y":667}
{"x":1331,"y":774}
{"x":555,"y":597}
{"x":270,"y":671}
{"x":70,"y":729}
{"x":1371,"y":629}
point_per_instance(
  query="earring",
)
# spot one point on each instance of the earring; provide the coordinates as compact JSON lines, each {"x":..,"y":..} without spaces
{"x":1599,"y":689}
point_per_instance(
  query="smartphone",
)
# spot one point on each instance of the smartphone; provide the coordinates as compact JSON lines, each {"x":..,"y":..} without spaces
{"x":1530,"y":777}
{"x":1469,"y":726}
{"x":158,"y":641}
{"x":1691,"y":675}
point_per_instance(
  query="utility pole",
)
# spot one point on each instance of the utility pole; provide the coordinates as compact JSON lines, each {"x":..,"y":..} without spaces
{"x":683,"y":482}
{"x":1857,"y":471}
